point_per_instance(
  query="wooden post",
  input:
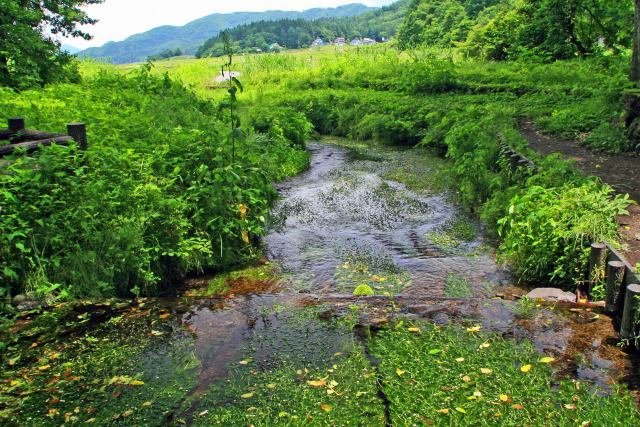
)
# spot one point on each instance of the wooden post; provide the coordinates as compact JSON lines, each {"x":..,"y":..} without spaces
{"x":16,"y":124}
{"x":615,"y":279}
{"x":78,"y":131}
{"x":631,"y":306}
{"x":597,"y":260}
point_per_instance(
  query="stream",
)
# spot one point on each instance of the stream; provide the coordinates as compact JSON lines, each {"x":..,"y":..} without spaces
{"x":373,"y":218}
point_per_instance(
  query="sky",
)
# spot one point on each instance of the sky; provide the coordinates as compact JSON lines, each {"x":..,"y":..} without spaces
{"x":119,"y":19}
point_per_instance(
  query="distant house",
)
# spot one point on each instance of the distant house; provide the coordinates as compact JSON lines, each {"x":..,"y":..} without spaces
{"x":368,"y":42}
{"x":356,"y":42}
{"x":318,"y":42}
{"x":275,"y":47}
{"x":340,"y":41}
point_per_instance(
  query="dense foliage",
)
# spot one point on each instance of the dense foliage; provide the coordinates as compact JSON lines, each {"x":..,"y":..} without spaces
{"x":29,"y":54}
{"x":145,"y":204}
{"x":165,"y":54}
{"x":509,"y":29}
{"x":296,"y":33}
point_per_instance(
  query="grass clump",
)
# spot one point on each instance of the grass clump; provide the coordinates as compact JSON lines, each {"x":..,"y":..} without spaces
{"x":363,"y":290}
{"x":457,"y":286}
{"x":460,"y":377}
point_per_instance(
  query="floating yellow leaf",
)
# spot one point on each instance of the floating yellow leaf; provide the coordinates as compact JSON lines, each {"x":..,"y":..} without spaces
{"x":325,"y":407}
{"x":547,"y":360}
{"x":504,"y":398}
{"x":474,"y":329}
{"x":247,"y":396}
{"x":486,"y":371}
{"x":525,"y":368}
{"x":400,"y":372}
{"x":466,"y":379}
{"x":318,"y":383}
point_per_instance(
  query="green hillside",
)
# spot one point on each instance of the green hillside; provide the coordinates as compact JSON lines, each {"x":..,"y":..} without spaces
{"x":190,"y":36}
{"x":298,"y":33}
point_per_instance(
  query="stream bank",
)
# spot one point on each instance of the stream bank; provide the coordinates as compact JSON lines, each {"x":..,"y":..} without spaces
{"x":449,"y":347}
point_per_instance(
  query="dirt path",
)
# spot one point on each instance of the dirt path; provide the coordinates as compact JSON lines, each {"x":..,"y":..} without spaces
{"x":622,"y":172}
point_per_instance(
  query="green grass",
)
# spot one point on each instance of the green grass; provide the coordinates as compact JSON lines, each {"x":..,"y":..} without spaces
{"x":436,"y":377}
{"x":457,"y":286}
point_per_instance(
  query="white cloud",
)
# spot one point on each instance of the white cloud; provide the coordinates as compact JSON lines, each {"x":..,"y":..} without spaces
{"x":119,"y":19}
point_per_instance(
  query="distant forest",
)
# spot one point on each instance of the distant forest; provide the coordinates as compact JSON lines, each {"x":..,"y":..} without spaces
{"x":299,"y":33}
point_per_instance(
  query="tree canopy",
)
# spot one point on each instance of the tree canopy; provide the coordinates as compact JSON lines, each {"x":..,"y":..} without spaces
{"x":29,"y":52}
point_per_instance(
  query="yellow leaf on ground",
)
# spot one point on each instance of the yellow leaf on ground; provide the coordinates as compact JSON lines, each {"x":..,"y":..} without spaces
{"x":245,"y":362}
{"x":136,"y":383}
{"x":44,"y":368}
{"x":414,"y":330}
{"x":466,"y":378}
{"x":571,"y":407}
{"x":485,"y":345}
{"x":504,"y":398}
{"x":247,"y":396}
{"x":525,"y":368}
{"x":461,"y":410}
{"x":443,"y":411}
{"x":271,"y":386}
{"x":474,"y":329}
{"x":486,"y":371}
{"x":400,"y":372}
{"x":164,"y":316}
{"x":547,"y":360}
{"x":318,"y":383}
{"x":517,"y":406}
{"x":326,"y":408}
{"x":460,"y":359}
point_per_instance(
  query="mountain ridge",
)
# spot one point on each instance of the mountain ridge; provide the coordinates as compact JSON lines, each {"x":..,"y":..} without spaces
{"x":190,"y":36}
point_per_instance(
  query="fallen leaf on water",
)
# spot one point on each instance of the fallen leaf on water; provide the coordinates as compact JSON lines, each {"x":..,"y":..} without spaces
{"x":486,"y":371}
{"x":318,"y":383}
{"x":400,"y":372}
{"x":443,"y":411}
{"x":247,"y":396}
{"x":466,"y":379}
{"x":547,"y":360}
{"x":525,"y":368}
{"x":325,"y":407}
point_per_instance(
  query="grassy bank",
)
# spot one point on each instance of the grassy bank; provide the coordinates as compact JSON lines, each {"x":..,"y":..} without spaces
{"x":157,"y":195}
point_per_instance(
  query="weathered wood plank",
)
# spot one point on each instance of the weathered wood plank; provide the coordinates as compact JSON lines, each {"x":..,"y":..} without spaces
{"x":31,"y":146}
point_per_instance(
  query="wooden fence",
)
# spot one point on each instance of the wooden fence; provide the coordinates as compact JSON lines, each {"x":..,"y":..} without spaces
{"x":29,"y":140}
{"x":622,"y":284}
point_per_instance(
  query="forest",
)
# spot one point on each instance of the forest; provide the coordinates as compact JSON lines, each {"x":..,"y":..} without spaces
{"x":437,"y":230}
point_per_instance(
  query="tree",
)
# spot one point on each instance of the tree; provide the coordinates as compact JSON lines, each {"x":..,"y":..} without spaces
{"x":29,"y":53}
{"x":635,"y":62}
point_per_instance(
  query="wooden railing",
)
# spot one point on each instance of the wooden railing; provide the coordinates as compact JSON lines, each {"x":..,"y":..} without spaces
{"x":29,"y":140}
{"x":622,"y":285}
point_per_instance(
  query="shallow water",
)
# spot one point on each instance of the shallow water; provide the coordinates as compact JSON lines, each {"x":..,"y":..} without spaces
{"x":344,"y":211}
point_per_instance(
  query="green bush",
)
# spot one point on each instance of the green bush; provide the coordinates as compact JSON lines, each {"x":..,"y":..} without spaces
{"x":547,"y":231}
{"x":156,"y":195}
